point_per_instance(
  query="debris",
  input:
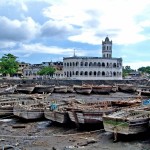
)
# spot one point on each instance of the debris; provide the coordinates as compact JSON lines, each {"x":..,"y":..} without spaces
{"x":18,"y":126}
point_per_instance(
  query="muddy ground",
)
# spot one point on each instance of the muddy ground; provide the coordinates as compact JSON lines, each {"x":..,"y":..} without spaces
{"x":45,"y":135}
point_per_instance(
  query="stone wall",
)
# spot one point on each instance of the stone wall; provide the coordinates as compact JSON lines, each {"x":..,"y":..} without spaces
{"x":74,"y":82}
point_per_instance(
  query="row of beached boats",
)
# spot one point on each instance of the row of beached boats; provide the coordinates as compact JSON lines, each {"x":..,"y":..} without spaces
{"x":81,"y":89}
{"x":117,"y":116}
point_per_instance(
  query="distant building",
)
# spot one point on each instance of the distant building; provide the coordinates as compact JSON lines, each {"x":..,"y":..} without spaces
{"x":32,"y":70}
{"x":94,"y":68}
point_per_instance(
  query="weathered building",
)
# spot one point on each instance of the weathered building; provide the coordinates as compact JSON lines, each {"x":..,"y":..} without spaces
{"x":94,"y":68}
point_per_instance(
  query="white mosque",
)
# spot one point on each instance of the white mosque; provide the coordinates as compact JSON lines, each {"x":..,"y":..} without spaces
{"x":94,"y":68}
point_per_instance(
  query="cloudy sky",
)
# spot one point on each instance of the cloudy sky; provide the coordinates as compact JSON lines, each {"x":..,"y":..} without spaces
{"x":39,"y":31}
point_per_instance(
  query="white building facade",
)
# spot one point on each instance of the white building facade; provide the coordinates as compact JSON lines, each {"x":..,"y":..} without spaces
{"x":94,"y":68}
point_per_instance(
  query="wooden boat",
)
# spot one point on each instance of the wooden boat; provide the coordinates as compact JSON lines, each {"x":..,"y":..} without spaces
{"x":57,"y":113}
{"x":25,"y":88}
{"x":6,"y":107}
{"x":114,"y":88}
{"x":84,"y":89}
{"x":126,"y":122}
{"x":70,"y":89}
{"x":89,"y":113}
{"x":127,"y":102}
{"x":44,"y":89}
{"x":126,"y":88}
{"x":8,"y":90}
{"x":29,"y":112}
{"x":143,"y":90}
{"x":101,"y":89}
{"x":60,"y":89}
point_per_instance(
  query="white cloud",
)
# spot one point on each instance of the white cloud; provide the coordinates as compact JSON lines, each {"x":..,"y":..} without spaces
{"x":15,"y":30}
{"x":118,"y":16}
{"x":56,"y":28}
{"x":7,"y":45}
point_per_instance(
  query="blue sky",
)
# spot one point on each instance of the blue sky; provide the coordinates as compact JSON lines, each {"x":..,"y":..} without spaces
{"x":39,"y":31}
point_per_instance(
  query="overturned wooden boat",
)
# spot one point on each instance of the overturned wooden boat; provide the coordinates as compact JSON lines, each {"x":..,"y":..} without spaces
{"x":83,"y":89}
{"x":60,"y":89}
{"x":89,"y":113}
{"x":101,"y":89}
{"x":57,"y":113}
{"x":44,"y":89}
{"x":127,"y":88}
{"x":25,"y":88}
{"x":127,"y":121}
{"x":29,"y":111}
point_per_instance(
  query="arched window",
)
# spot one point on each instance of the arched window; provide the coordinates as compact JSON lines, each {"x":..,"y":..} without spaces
{"x":70,"y":64}
{"x":67,"y":74}
{"x":90,"y":64}
{"x":103,"y":73}
{"x":103,"y":64}
{"x":98,"y":73}
{"x":90,"y":73}
{"x":70,"y":74}
{"x":86,"y":73}
{"x":73,"y":64}
{"x":107,"y":64}
{"x":114,"y":65}
{"x":77,"y":73}
{"x":86,"y":63}
{"x":67,"y":64}
{"x":77,"y":63}
{"x":99,"y":64}
{"x":81,"y":73}
{"x":94,"y":73}
{"x":81,"y":64}
{"x":114,"y":74}
{"x":95,"y":64}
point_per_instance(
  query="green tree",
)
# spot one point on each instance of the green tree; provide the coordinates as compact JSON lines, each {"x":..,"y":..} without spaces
{"x":47,"y":71}
{"x":144,"y":69}
{"x":127,"y":70}
{"x":8,"y":64}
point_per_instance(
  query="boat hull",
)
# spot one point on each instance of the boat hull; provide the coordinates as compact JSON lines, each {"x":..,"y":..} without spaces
{"x":43,"y":89}
{"x":83,"y":90}
{"x":27,"y":89}
{"x":83,"y":117}
{"x":28,"y":114}
{"x":56,"y":116}
{"x":123,"y":127}
{"x":101,"y":89}
{"x":60,"y":89}
{"x":126,"y":88}
{"x":6,"y":110}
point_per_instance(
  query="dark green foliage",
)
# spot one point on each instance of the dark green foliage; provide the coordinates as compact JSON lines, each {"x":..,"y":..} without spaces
{"x":8,"y":64}
{"x":145,"y":69}
{"x":47,"y":71}
{"x":127,"y":70}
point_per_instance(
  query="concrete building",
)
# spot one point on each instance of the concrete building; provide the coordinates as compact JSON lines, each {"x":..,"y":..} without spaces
{"x":94,"y":68}
{"x":31,"y":71}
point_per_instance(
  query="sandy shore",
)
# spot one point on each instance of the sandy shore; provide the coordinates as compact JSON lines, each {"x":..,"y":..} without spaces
{"x":44,"y":135}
